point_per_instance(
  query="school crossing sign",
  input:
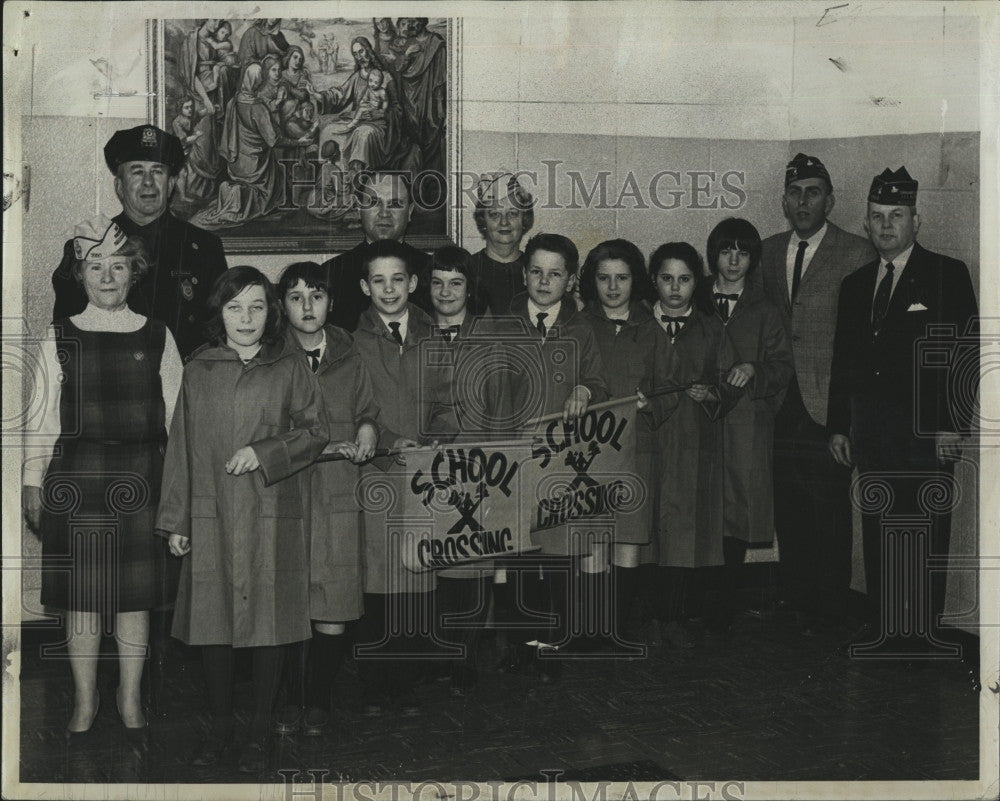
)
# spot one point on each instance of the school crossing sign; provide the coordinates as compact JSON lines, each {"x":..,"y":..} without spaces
{"x":485,"y":500}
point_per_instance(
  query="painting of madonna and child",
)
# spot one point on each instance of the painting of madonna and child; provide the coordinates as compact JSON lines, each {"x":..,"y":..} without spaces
{"x":278,"y":116}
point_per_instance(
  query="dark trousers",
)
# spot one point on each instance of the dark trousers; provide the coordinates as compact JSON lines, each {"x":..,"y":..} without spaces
{"x":394,"y":637}
{"x":906,"y":496}
{"x":218,"y":662}
{"x":463,"y":603}
{"x":538,"y":599}
{"x":812,"y":513}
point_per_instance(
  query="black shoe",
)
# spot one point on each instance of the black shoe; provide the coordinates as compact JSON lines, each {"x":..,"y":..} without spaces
{"x":808,"y":624}
{"x":372,"y":704}
{"x":676,"y":636}
{"x":513,"y":659}
{"x":463,"y":679}
{"x":253,"y":758}
{"x":288,"y":719}
{"x":76,"y":737}
{"x":315,"y":722}
{"x":210,"y":750}
{"x":408,"y":704}
{"x":549,"y":669}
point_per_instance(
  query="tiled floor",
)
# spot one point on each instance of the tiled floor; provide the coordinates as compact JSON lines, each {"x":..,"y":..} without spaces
{"x":762,"y":704}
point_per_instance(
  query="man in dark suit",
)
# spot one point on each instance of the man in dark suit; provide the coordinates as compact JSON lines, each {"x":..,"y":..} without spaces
{"x":184,"y":260}
{"x":801,"y":271}
{"x":385,"y":206}
{"x":898,"y":417}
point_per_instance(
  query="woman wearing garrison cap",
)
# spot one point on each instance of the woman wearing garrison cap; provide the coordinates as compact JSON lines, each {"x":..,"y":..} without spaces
{"x":111,"y":378}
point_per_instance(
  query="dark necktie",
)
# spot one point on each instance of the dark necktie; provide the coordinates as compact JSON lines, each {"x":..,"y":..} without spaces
{"x":800,"y":257}
{"x":619,"y":325}
{"x":394,"y":331}
{"x":313,"y":359}
{"x":448,"y":332}
{"x":723,"y":300}
{"x":540,"y":325}
{"x":674,"y":324}
{"x":882,"y":295}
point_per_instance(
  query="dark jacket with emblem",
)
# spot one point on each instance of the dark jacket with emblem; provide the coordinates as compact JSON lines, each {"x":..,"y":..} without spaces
{"x":184,"y":263}
{"x":882,"y":388}
{"x":246,"y":580}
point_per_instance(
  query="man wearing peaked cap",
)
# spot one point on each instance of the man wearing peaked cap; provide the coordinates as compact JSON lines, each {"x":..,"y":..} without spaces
{"x":184,"y":259}
{"x":801,"y":271}
{"x":895,"y":415}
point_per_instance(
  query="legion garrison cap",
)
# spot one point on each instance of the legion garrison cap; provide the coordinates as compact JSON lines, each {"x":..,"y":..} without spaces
{"x":803,"y":166}
{"x":144,"y":143}
{"x":97,"y":239}
{"x":893,"y":188}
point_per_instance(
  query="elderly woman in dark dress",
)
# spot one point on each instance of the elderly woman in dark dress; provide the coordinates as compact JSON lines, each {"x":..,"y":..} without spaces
{"x":111,"y":378}
{"x":504,"y":213}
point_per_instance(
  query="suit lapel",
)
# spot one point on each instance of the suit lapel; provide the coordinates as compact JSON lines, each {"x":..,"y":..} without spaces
{"x":780,"y":268}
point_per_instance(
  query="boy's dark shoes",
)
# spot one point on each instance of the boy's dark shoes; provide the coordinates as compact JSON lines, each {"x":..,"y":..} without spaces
{"x":253,"y":757}
{"x":288,"y":719}
{"x":408,"y":704}
{"x":209,"y":750}
{"x":315,"y":722}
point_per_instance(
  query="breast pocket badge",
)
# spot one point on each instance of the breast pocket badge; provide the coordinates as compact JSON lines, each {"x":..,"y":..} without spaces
{"x":187,"y":288}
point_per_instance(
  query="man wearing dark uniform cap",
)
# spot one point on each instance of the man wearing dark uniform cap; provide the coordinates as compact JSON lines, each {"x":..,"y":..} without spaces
{"x":184,"y":260}
{"x":897,"y":412}
{"x":801,"y":271}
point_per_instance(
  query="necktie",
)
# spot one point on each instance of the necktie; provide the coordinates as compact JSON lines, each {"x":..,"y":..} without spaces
{"x":449,"y":332}
{"x":797,"y":271}
{"x":540,"y":325}
{"x":722,"y":301}
{"x":313,"y":359}
{"x":674,"y":324}
{"x":882,"y":295}
{"x":619,"y":325}
{"x":394,"y":330}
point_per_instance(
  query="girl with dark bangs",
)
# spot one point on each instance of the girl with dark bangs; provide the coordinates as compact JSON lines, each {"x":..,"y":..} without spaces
{"x":693,"y":355}
{"x":618,"y":292}
{"x":762,"y":371}
{"x":249,"y":417}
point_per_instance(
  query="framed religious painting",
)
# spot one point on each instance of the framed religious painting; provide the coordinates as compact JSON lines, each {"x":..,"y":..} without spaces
{"x":279,"y":117}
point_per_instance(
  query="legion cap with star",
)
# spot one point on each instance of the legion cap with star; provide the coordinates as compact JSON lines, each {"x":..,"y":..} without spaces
{"x":144,"y":143}
{"x":893,"y":188}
